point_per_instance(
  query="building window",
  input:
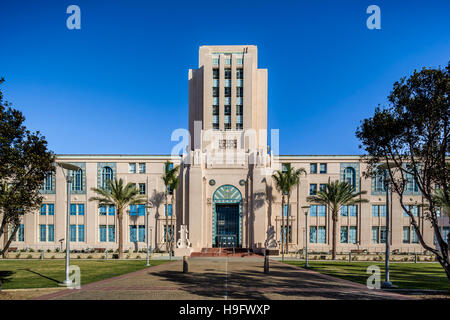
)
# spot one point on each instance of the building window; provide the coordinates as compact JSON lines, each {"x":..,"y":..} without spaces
{"x":344,"y":211}
{"x":378,"y":210}
{"x":227,"y":73}
{"x":21,"y":233}
{"x":239,"y":110}
{"x":42,"y":232}
{"x":350,"y":176}
{"x":383,"y":234}
{"x":216,"y":74}
{"x":313,"y":210}
{"x":344,"y":234}
{"x":132,"y":168}
{"x":284,"y":230}
{"x":323,"y":168}
{"x":167,"y":232}
{"x":321,"y":235}
{"x":51,"y":209}
{"x":227,"y":110}
{"x":239,"y":61}
{"x":323,"y":187}
{"x":77,"y":183}
{"x":141,"y":210}
{"x":286,"y":210}
{"x":313,"y":168}
{"x":141,"y":233}
{"x":351,"y":211}
{"x":413,"y":209}
{"x":111,"y":233}
{"x":102,"y":233}
{"x":378,"y":183}
{"x":284,"y":167}
{"x":375,"y":234}
{"x":133,"y":210}
{"x":239,"y":92}
{"x":141,"y":167}
{"x":228,"y":60}
{"x":141,"y":188}
{"x":321,"y":210}
{"x":73,"y":232}
{"x":411,"y":185}
{"x":111,"y":210}
{"x":406,"y":234}
{"x":215,"y":92}
{"x":215,"y":60}
{"x":107,"y":175}
{"x":414,"y":236}
{"x":48,"y":182}
{"x":81,"y":232}
{"x":313,"y":234}
{"x":170,"y":210}
{"x":240,"y":73}
{"x":312,"y":189}
{"x":43,"y":209}
{"x":352,"y":235}
{"x":133,"y":233}
{"x":73,"y":209}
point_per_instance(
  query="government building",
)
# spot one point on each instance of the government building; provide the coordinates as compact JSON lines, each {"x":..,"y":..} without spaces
{"x":226,"y":196}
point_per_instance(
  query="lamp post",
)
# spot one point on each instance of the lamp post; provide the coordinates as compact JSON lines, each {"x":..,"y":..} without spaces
{"x":387,"y":283}
{"x":69,"y":167}
{"x":147,"y":214}
{"x":305,"y":210}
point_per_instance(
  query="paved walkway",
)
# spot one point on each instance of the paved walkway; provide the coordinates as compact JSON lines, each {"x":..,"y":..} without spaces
{"x":223,"y":278}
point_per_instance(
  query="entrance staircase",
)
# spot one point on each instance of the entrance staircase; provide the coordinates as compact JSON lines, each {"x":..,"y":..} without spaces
{"x":224,"y":252}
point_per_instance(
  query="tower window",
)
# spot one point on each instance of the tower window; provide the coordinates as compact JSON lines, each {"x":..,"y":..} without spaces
{"x":227,"y":73}
{"x":216,"y":74}
{"x":239,"y":74}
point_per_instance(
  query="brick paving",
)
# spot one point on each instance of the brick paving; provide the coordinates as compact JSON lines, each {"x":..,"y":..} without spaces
{"x":223,"y":278}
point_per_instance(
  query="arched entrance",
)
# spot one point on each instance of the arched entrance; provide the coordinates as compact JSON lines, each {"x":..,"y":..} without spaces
{"x":227,"y":217}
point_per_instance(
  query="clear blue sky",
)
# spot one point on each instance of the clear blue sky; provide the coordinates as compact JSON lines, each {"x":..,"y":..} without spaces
{"x":120,"y":84}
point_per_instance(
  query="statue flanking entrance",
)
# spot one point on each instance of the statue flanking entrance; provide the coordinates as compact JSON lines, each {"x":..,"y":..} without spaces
{"x":227,"y":217}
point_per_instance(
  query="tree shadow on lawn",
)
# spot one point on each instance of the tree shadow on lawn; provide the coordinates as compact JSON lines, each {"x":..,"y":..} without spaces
{"x":5,"y":276}
{"x":41,"y":275}
{"x":254,"y":284}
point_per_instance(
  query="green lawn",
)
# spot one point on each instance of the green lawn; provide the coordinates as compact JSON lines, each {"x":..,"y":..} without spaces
{"x":404,"y":275}
{"x":17,"y":274}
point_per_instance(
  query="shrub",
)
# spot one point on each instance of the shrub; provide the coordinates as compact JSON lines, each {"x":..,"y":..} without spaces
{"x":18,"y":256}
{"x":138,"y":257}
{"x":48,"y":250}
{"x":29,"y":256}
{"x":52,"y":257}
{"x":128,"y":256}
{"x":31,"y":250}
{"x":89,"y":257}
{"x":78,"y":257}
{"x":57,"y":250}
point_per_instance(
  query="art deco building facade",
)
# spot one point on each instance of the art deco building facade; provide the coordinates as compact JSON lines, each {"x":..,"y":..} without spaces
{"x":226,"y":195}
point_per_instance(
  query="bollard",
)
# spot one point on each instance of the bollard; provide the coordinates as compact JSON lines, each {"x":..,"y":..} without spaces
{"x":185,"y":264}
{"x":349,"y":257}
{"x":415,"y":257}
{"x":106,"y":255}
{"x":42,"y":255}
{"x":266,"y":263}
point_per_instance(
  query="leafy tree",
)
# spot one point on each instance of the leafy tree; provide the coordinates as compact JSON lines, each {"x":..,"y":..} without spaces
{"x":411,"y":137}
{"x":120,"y":196}
{"x":24,"y":163}
{"x":334,"y":196}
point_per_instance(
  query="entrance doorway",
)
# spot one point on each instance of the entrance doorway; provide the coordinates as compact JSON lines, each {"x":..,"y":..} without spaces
{"x":227,"y":225}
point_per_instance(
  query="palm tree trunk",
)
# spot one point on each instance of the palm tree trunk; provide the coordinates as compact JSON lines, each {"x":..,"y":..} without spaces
{"x":333,"y":248}
{"x":120,"y":225}
{"x":287,"y":225}
{"x":172,"y":231}
{"x":282,"y":227}
{"x":166,"y":238}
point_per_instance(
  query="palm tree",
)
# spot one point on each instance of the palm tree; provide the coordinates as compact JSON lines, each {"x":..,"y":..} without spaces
{"x":281,"y":184}
{"x":293,"y":178}
{"x":335,"y":195}
{"x":170,"y":179}
{"x":120,"y":196}
{"x":173,"y":186}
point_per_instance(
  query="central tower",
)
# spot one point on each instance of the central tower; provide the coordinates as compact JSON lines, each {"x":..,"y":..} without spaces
{"x":228,"y":93}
